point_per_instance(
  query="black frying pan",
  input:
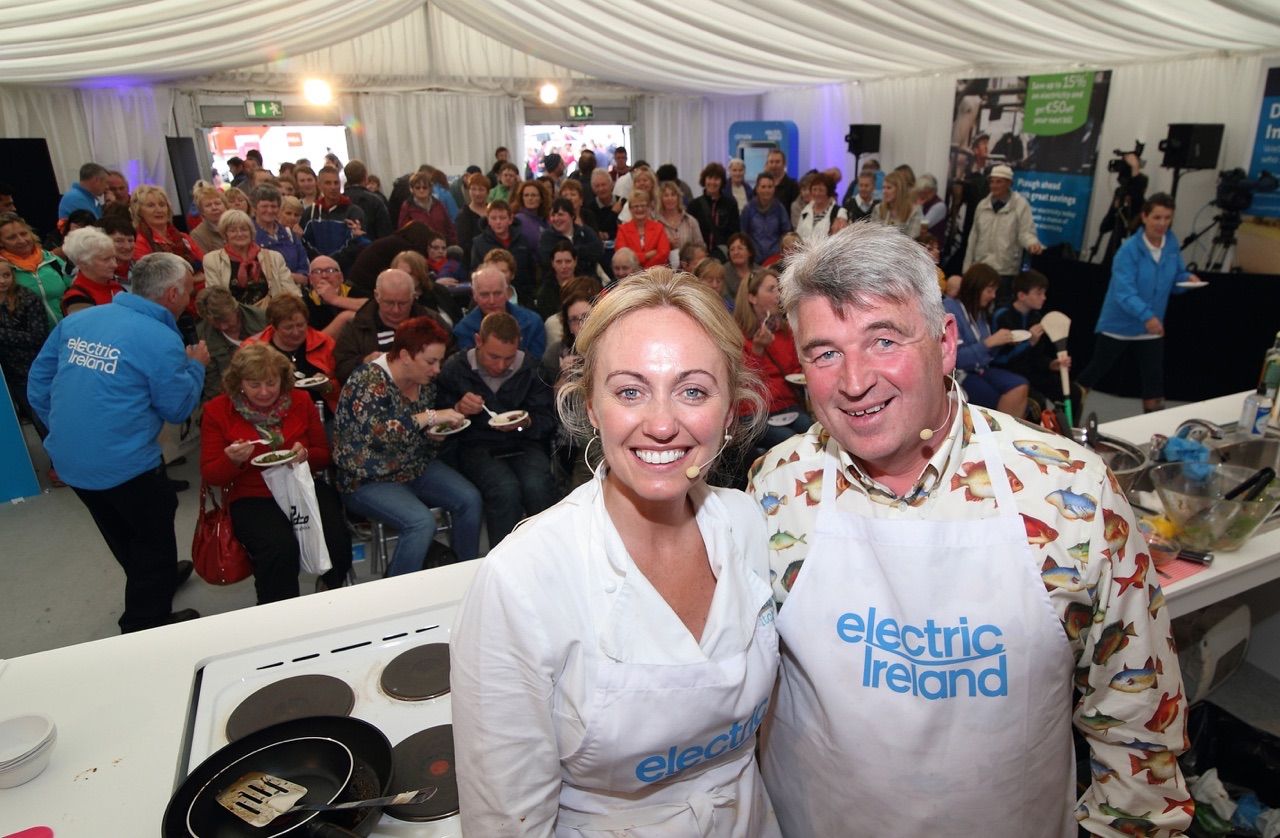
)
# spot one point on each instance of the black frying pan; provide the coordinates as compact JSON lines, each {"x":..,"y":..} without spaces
{"x":365,"y":773}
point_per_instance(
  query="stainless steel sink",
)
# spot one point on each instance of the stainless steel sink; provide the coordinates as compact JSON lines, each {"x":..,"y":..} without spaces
{"x":1250,"y":453}
{"x":1233,"y":448}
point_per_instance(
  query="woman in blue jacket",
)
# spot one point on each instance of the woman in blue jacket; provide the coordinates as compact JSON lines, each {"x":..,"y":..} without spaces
{"x":985,"y":385}
{"x":1143,"y":275}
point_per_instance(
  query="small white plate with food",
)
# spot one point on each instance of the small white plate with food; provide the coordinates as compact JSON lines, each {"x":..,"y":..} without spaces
{"x":274,"y":458}
{"x":1019,"y":335}
{"x":796,"y":378}
{"x":781,"y":420}
{"x":508,"y":418}
{"x":445,"y":429}
{"x":317,"y":380}
{"x":1190,"y":284}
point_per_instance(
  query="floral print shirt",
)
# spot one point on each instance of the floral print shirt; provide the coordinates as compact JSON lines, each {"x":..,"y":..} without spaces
{"x":1096,"y":567}
{"x":375,"y":439}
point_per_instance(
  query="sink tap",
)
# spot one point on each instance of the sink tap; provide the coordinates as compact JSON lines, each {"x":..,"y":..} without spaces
{"x":1198,"y":430}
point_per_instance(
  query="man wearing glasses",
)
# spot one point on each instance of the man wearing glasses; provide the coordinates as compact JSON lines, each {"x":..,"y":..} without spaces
{"x":374,"y":326}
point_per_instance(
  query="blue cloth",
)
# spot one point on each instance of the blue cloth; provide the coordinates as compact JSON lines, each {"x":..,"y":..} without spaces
{"x":972,"y":354}
{"x":533,"y":334}
{"x":78,"y":198}
{"x":767,"y":228}
{"x":105,"y":382}
{"x":1140,"y":287}
{"x":287,"y":245}
{"x":445,"y":197}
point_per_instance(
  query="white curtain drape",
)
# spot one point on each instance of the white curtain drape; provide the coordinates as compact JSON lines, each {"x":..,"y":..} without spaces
{"x":397,"y":132}
{"x":688,"y":131}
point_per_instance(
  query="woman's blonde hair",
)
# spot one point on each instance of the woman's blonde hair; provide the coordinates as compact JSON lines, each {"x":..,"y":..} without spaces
{"x":203,"y":193}
{"x":644,"y":171}
{"x":291,"y":202}
{"x":141,"y":194}
{"x":744,"y":314}
{"x":902,"y":205}
{"x":257,"y":362}
{"x":661,"y":288}
{"x":234,"y":218}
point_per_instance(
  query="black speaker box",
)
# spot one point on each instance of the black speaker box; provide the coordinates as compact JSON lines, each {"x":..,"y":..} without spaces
{"x":1192,"y":146}
{"x":863,"y":139}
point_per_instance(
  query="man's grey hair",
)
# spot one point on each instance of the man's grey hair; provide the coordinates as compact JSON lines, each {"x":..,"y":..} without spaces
{"x":604,"y":173}
{"x":265,"y":192}
{"x":86,"y":242}
{"x":390,"y":277}
{"x":89,"y":171}
{"x":927,"y":182}
{"x":156,"y":273}
{"x":628,"y":255}
{"x":863,"y":263}
{"x":490,"y":267}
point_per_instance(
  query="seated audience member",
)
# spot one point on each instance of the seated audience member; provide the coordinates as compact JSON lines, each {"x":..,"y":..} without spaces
{"x":930,"y":244}
{"x":532,"y":211}
{"x":860,"y":203}
{"x":224,"y":325}
{"x":423,"y":207}
{"x":668,"y":173}
{"x":377,"y":257}
{"x":642,"y":234}
{"x":933,"y":209}
{"x":387,"y":457}
{"x":330,"y":306}
{"x":291,"y":214}
{"x":86,"y":195}
{"x":271,"y":234}
{"x":802,"y":197}
{"x":377,"y":219}
{"x":602,"y":207}
{"x":492,"y":294}
{"x":94,"y":255}
{"x":691,"y":255}
{"x":642,"y":178}
{"x":624,"y":263}
{"x":986,"y":386}
{"x":822,"y":216}
{"x":716,"y":213}
{"x":508,"y":179}
{"x":741,"y":264}
{"x":211,"y":205}
{"x":259,"y":400}
{"x":573,"y":191}
{"x":443,"y":267}
{"x":253,"y":274}
{"x":587,"y":249}
{"x":770,"y":351}
{"x":471,"y":218}
{"x":309,"y":350}
{"x":36,"y":269}
{"x":1035,"y":359}
{"x":333,"y":225}
{"x":372,"y":330}
{"x":765,"y":220}
{"x":575,"y":303}
{"x":431,"y":295}
{"x":24,"y":326}
{"x":509,"y":464}
{"x":711,"y":272}
{"x":681,"y":227}
{"x":501,"y":233}
{"x":564,"y":267}
{"x":123,"y":235}
{"x":153,"y":219}
{"x":236,"y":199}
{"x":898,"y":208}
{"x":737,"y":187}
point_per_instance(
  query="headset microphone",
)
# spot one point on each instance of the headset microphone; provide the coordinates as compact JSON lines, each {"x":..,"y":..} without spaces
{"x":926,"y":434}
{"x":692,"y":472}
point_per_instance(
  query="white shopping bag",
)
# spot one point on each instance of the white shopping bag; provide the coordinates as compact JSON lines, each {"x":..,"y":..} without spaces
{"x":295,"y":492}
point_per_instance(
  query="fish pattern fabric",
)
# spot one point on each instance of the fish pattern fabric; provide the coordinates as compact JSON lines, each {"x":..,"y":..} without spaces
{"x":1094,"y":564}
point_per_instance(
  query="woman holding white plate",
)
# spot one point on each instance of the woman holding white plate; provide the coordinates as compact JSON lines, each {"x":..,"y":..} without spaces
{"x":258,"y":412}
{"x":616,"y":654}
{"x":770,"y":350}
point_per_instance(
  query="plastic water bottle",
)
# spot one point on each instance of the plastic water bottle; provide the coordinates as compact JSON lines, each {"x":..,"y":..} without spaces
{"x":1255,"y":412}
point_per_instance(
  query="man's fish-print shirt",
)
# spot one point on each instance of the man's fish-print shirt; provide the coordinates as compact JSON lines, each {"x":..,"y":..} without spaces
{"x":1095,"y":566}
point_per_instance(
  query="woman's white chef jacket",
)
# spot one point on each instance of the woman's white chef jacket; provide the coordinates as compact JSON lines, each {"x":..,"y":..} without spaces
{"x":554,"y":613}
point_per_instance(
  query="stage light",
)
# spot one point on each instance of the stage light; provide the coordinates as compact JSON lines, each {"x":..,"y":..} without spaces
{"x":317,"y":91}
{"x":548,"y":94}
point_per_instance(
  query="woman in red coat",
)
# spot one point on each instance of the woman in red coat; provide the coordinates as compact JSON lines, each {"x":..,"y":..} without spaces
{"x":648,"y":238}
{"x":259,"y":402}
{"x":308,"y":349}
{"x":770,"y":350}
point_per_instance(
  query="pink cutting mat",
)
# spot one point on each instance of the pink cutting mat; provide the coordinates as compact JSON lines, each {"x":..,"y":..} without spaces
{"x":1178,"y":569}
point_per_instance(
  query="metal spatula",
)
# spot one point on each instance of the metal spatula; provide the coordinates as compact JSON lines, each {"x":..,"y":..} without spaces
{"x":258,"y":799}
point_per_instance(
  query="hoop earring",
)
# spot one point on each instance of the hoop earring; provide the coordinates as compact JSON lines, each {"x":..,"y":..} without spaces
{"x":586,"y":452}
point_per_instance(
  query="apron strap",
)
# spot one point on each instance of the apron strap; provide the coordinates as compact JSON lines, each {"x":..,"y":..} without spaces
{"x":701,"y":803}
{"x":995,"y":465}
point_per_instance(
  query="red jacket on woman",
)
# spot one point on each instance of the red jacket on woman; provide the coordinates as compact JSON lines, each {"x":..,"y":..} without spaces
{"x":655,"y":238}
{"x":778,"y":361}
{"x":222,"y":425}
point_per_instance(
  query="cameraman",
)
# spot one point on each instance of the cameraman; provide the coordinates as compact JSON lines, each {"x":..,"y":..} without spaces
{"x":1122,"y":219}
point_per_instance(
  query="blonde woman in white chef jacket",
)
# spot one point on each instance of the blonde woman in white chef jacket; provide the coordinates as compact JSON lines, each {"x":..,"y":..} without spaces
{"x":615,"y":655}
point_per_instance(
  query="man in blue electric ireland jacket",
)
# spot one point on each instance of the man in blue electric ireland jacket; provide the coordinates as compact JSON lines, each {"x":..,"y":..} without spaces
{"x":104,"y":383}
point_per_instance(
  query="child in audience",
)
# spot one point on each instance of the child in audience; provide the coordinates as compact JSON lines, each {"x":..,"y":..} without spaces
{"x":1036,"y":359}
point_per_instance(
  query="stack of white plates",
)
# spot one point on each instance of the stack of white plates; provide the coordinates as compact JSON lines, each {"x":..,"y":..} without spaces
{"x":25,"y":745}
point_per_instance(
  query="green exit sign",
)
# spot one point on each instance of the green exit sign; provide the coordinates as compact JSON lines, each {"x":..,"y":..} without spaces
{"x":263,"y":108}
{"x":581,"y":111}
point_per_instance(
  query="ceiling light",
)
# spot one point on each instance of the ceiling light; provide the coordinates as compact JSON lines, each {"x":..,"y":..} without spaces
{"x":548,"y":94}
{"x":317,"y":91}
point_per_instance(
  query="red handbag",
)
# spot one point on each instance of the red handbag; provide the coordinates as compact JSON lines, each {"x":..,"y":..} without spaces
{"x":218,"y":556}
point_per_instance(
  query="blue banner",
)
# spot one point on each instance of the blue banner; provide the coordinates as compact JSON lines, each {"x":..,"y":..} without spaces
{"x":1266,"y":146}
{"x":1059,"y":203}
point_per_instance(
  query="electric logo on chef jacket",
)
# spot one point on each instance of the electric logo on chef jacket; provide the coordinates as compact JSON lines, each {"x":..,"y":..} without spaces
{"x":651,"y":769}
{"x":935,"y":660}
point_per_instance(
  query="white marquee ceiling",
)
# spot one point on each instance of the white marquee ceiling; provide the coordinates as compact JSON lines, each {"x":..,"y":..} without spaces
{"x":694,"y":46}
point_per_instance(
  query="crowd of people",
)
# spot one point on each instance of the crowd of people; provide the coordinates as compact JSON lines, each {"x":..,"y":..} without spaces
{"x":603,"y":352}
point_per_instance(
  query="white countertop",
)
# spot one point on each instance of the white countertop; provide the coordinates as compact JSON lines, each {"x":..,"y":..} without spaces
{"x":121,"y":704}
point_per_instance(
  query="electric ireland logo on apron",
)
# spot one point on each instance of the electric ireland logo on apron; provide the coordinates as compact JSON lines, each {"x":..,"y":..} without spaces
{"x":934,"y":660}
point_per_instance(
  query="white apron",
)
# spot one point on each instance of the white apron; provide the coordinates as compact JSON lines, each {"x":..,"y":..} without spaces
{"x":669,"y":750}
{"x":926,"y":679}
